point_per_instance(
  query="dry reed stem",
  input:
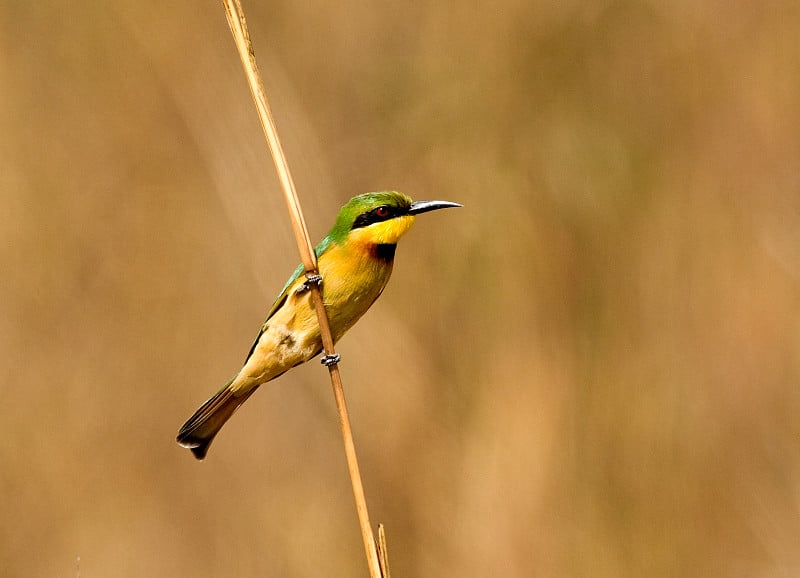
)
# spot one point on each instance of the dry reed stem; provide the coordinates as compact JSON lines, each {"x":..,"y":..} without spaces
{"x":383,"y":553}
{"x":238,"y":25}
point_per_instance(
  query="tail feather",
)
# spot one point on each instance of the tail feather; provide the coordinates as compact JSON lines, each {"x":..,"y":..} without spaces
{"x":199,"y":430}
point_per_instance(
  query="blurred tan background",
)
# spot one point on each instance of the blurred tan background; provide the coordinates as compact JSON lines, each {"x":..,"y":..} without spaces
{"x":590,"y":370}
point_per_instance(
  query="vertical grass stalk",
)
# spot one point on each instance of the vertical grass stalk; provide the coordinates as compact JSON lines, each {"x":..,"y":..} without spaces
{"x":238,"y":25}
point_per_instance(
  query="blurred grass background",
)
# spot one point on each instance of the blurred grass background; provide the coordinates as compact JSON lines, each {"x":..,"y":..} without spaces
{"x":590,"y":370}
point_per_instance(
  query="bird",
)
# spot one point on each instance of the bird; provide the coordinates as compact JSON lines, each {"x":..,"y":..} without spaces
{"x":354,"y":262}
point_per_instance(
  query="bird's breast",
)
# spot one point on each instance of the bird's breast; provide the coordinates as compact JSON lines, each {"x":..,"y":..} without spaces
{"x":352,"y":279}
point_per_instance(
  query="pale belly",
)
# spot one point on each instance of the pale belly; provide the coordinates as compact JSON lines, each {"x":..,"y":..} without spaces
{"x":291,"y":336}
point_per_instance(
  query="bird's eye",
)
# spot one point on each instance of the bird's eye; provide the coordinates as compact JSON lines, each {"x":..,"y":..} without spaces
{"x":382,"y":211}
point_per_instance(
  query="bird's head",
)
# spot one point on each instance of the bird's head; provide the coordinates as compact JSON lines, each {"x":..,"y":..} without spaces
{"x":380,"y":218}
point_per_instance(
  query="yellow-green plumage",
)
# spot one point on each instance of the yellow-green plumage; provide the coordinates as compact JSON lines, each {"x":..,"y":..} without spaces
{"x":355,"y":261}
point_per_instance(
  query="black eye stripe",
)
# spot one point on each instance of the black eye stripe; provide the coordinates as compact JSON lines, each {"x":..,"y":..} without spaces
{"x":370,"y":217}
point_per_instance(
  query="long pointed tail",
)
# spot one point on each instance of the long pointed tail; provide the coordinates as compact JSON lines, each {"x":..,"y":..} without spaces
{"x":199,"y":430}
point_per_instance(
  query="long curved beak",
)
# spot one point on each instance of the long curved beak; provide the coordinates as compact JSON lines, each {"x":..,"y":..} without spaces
{"x":418,"y":207}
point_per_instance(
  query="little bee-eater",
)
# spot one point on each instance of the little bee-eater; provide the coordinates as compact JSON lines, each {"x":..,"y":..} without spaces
{"x":355,"y":261}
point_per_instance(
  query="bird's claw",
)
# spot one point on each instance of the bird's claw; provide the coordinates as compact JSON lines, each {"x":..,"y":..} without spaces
{"x":311,"y":279}
{"x":328,"y":360}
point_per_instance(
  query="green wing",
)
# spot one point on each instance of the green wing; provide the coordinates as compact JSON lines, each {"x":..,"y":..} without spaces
{"x":284,"y":294}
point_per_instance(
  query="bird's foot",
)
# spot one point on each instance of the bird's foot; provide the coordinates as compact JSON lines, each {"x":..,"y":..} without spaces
{"x":311,"y":279}
{"x":328,"y":360}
